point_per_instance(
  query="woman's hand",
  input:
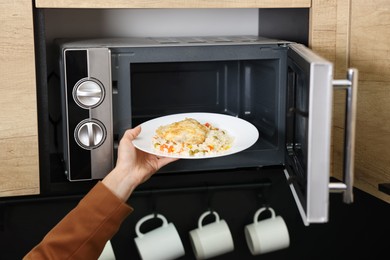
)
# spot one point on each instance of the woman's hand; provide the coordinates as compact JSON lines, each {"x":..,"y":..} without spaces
{"x":133,"y":166}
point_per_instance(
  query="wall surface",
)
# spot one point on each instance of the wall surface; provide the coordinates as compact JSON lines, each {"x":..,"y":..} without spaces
{"x":63,"y":23}
{"x":150,"y":22}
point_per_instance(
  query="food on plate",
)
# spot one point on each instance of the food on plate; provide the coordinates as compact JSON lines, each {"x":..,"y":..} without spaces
{"x":189,"y":137}
{"x":187,"y":131}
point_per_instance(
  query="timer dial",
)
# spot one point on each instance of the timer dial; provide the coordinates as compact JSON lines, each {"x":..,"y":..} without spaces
{"x":88,"y":93}
{"x":90,"y":134}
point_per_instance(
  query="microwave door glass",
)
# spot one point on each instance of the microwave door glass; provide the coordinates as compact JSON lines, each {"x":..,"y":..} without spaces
{"x":308,"y":131}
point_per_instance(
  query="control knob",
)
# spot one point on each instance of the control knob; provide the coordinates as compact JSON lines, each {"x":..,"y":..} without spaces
{"x":90,"y":134}
{"x":88,"y":93}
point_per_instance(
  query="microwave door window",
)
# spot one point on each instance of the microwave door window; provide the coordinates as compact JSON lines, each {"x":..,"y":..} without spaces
{"x":308,"y":135}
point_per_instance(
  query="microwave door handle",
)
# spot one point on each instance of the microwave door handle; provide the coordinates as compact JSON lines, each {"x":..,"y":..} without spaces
{"x":350,"y":85}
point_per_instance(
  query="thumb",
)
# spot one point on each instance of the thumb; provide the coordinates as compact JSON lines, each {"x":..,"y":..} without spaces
{"x":133,"y":133}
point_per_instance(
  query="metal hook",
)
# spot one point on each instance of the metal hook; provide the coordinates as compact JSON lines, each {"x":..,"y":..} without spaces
{"x":153,"y":203}
{"x":209,"y":200}
{"x":262,"y":198}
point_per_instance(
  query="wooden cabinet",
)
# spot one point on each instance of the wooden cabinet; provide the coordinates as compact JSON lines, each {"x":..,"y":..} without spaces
{"x":172,"y":4}
{"x":355,"y":34}
{"x":349,"y":33}
{"x":19,"y":167}
{"x":370,"y":53}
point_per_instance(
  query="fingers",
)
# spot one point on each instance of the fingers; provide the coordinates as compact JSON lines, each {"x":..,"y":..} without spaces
{"x":131,"y":134}
{"x":165,"y":160}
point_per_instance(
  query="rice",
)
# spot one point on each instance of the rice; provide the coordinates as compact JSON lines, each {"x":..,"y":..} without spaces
{"x":217,"y":141}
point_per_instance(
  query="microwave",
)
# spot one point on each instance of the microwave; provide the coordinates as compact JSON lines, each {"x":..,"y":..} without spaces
{"x":283,"y":88}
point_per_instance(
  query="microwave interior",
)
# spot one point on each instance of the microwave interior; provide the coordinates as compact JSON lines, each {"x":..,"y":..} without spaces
{"x":249,"y":82}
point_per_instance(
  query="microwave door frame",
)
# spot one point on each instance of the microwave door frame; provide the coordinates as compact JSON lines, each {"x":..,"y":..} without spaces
{"x":308,"y":163}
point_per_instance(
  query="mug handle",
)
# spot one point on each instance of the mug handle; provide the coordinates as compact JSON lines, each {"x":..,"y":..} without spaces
{"x":204,"y":215}
{"x":258,"y":212}
{"x":146,"y":218}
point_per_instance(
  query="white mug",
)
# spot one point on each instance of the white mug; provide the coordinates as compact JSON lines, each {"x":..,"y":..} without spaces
{"x":212,"y":239}
{"x":267,"y":235}
{"x":162,"y":243}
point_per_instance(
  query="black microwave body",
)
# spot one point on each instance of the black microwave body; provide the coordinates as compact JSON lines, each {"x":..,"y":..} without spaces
{"x":281,"y":87}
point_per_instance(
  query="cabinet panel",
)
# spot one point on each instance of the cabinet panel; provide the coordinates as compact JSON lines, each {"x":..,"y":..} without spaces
{"x":369,"y":52}
{"x":19,"y":166}
{"x":19,"y":169}
{"x":355,"y":34}
{"x":171,"y":4}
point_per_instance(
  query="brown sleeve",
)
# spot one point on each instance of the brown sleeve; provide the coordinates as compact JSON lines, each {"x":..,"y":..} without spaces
{"x":84,"y":231}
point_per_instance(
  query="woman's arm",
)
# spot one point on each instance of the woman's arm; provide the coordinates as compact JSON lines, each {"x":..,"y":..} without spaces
{"x":84,"y":231}
{"x":133,"y":166}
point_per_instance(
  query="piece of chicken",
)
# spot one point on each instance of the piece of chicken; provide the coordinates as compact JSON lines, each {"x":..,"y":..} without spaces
{"x":188,"y":131}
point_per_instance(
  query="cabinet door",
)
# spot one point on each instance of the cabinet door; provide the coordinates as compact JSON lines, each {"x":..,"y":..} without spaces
{"x":308,"y":137}
{"x":19,"y":165}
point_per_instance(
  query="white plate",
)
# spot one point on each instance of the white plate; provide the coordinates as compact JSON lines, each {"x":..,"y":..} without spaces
{"x":244,"y":133}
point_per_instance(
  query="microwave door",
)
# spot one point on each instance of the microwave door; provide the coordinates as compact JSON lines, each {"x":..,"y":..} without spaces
{"x":308,"y":131}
